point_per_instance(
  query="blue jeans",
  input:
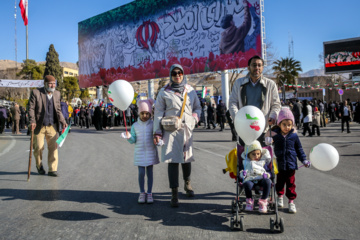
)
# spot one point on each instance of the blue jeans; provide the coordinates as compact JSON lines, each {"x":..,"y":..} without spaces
{"x":149,"y":173}
{"x":264,"y":183}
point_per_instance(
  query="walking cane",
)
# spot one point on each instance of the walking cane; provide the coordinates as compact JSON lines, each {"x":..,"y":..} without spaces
{"x":30,"y":154}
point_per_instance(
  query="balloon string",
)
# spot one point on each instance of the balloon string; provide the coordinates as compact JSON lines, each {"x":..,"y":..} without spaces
{"x":125,"y":122}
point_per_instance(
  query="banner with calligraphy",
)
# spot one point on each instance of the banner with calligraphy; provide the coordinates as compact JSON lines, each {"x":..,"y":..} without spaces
{"x":142,"y":39}
{"x":21,"y":83}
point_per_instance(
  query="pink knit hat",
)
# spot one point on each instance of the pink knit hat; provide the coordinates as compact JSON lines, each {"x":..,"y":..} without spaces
{"x":285,"y":113}
{"x":145,"y":105}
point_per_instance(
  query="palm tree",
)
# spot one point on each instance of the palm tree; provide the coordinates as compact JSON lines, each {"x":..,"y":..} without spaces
{"x":286,"y":71}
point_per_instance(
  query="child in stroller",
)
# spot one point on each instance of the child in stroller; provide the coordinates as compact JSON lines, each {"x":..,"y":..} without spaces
{"x":256,"y":172}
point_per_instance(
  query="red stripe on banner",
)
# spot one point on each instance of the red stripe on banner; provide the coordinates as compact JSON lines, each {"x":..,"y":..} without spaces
{"x":24,"y":7}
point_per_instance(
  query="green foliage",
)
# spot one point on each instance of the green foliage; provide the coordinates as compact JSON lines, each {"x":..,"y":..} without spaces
{"x":72,"y":87}
{"x":286,"y":69}
{"x":30,"y":70}
{"x":84,"y":95}
{"x":52,"y":66}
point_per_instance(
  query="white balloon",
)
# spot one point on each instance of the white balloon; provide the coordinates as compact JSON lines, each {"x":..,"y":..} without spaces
{"x":121,"y":94}
{"x":249,"y":123}
{"x":324,"y":157}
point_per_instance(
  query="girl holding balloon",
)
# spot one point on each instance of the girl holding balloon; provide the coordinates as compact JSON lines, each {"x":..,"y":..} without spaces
{"x":287,"y":148}
{"x":146,"y":154}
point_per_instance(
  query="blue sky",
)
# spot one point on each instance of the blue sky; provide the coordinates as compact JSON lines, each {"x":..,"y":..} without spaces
{"x":308,"y":22}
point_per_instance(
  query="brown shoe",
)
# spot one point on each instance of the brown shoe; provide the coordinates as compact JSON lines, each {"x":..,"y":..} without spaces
{"x":188,"y":189}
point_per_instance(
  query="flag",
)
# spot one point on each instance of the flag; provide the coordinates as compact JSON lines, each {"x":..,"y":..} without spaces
{"x":204,"y":91}
{"x":60,"y":141}
{"x":24,"y":10}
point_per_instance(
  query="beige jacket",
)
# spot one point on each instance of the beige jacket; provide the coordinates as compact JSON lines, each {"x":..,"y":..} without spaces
{"x":37,"y":108}
{"x":270,"y":98}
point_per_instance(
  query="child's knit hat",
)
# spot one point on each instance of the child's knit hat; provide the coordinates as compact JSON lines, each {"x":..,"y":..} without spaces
{"x":145,"y":105}
{"x":255,"y":145}
{"x":284,"y":114}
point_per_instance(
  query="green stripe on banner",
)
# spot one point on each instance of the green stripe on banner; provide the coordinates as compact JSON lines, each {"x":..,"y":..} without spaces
{"x":63,"y":136}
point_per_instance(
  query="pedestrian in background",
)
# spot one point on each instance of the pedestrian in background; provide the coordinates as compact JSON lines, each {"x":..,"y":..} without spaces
{"x":3,"y":117}
{"x":316,"y":122}
{"x":307,"y":117}
{"x":210,"y":119}
{"x":345,"y":114}
{"x":221,"y":110}
{"x":15,"y":112}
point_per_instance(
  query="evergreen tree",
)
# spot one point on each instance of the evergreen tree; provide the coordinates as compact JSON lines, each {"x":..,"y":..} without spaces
{"x":52,"y":66}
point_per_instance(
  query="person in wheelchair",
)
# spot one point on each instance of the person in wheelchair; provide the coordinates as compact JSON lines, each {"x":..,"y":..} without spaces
{"x":256,"y":172}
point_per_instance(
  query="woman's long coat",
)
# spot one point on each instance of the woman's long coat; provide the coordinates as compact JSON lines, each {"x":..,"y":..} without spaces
{"x":177,"y":146}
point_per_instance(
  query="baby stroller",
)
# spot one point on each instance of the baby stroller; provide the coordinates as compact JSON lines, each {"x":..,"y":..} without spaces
{"x":235,"y":165}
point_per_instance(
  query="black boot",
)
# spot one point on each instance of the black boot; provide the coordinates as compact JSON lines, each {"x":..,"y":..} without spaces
{"x":174,"y":202}
{"x":188,"y":189}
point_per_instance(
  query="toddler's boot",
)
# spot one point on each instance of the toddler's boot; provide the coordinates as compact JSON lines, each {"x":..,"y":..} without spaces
{"x":249,"y":204}
{"x":188,"y":189}
{"x":263,"y":205}
{"x":174,"y":202}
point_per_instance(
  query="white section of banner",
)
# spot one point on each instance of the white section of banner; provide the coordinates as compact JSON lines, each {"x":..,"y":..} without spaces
{"x":21,"y":83}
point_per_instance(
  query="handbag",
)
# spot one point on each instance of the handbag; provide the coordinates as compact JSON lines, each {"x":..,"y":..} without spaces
{"x":173,"y":123}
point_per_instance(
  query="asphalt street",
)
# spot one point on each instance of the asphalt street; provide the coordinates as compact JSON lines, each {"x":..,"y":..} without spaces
{"x":95,"y":196}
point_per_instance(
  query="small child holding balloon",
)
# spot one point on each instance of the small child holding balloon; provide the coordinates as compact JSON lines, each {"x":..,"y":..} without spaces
{"x":287,"y":148}
{"x":145,"y":155}
{"x":256,"y":172}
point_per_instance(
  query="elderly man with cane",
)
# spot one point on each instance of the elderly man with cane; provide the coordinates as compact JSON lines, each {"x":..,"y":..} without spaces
{"x":45,"y":116}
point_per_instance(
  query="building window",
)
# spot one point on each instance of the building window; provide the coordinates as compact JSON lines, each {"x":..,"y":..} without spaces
{"x":71,"y":73}
{"x":66,"y":72}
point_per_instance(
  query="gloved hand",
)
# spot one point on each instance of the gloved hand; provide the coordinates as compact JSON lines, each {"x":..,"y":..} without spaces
{"x":266,"y":175}
{"x":244,"y":173}
{"x":307,"y":163}
{"x":268,"y":140}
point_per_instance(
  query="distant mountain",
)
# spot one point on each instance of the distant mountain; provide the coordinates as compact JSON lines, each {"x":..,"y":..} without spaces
{"x":4,"y":64}
{"x":313,"y":72}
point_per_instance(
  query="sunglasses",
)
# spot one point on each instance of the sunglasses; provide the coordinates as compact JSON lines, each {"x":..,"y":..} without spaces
{"x":175,"y":73}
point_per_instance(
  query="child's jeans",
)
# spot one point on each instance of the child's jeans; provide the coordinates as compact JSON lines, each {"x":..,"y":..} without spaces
{"x":288,"y":178}
{"x":264,"y":183}
{"x":149,"y":174}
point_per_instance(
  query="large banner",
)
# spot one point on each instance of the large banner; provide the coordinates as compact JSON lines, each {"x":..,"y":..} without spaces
{"x":142,"y":39}
{"x":21,"y":83}
{"x":342,"y":55}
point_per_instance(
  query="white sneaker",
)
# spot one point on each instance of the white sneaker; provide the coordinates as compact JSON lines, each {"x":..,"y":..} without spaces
{"x":142,"y":198}
{"x":280,"y":202}
{"x":292,"y":208}
{"x":149,"y":198}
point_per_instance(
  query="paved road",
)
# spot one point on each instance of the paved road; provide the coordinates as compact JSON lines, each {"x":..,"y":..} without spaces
{"x":95,"y":196}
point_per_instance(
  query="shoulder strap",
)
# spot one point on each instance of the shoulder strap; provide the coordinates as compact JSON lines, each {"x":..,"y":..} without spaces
{"x":183,"y":106}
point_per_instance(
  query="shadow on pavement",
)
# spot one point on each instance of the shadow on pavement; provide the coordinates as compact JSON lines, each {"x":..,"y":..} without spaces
{"x":206,"y":215}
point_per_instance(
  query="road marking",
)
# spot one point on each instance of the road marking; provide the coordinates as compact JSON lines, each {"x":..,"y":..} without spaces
{"x":8,"y":148}
{"x":204,"y":150}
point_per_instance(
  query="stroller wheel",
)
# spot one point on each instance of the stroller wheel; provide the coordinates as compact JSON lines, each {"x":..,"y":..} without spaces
{"x":272,"y":224}
{"x":242,"y":223}
{"x":281,"y":225}
{"x":232,"y":223}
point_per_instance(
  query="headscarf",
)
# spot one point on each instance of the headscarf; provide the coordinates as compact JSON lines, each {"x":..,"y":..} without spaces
{"x":177,"y":87}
